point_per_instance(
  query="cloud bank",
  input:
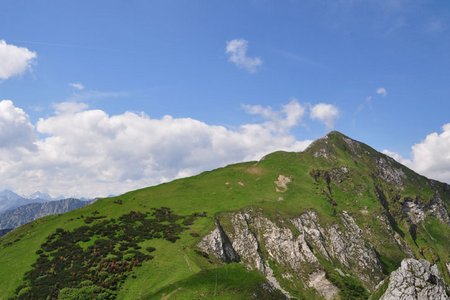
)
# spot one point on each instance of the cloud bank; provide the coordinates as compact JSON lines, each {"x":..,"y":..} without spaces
{"x":14,"y":60}
{"x":79,"y":151}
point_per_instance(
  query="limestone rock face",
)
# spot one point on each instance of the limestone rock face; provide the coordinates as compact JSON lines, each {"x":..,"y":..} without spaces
{"x":250,"y":232}
{"x":350,"y":248}
{"x":414,"y":210}
{"x":297,"y":247}
{"x":245,"y":242}
{"x":415,"y":280}
{"x":438,"y":209}
{"x":218,"y":243}
{"x":318,"y":281}
{"x":308,"y":223}
{"x":344,"y":243}
{"x":389,"y":173}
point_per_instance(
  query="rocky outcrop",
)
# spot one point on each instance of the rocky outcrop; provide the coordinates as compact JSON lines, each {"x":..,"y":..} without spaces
{"x":256,"y":240}
{"x":283,"y":246}
{"x":318,"y":281}
{"x":415,"y":279}
{"x":245,"y":242}
{"x":218,"y":243}
{"x":250,"y":232}
{"x":308,"y":223}
{"x":344,"y":243}
{"x":389,"y":172}
{"x":348,"y":245}
{"x":414,"y":210}
{"x":438,"y":209}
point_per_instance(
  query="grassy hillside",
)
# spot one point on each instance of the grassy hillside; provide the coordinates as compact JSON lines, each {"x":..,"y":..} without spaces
{"x":176,"y":270}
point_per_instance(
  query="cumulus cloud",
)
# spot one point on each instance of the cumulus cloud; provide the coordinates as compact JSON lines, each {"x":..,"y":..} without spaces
{"x":289,"y":116}
{"x":86,"y":152}
{"x":14,"y":60}
{"x":382,"y":91}
{"x":237,"y":51}
{"x":76,"y":85}
{"x":16,"y":131}
{"x":431,"y":157}
{"x":325,"y":113}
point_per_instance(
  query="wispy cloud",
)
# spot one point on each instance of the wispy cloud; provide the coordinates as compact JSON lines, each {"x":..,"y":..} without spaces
{"x":301,"y":59}
{"x":94,"y":95}
{"x":76,"y":85}
{"x":237,"y":51}
{"x":381,"y":91}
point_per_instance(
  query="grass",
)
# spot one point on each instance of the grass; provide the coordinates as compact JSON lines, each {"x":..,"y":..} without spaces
{"x":231,"y":281}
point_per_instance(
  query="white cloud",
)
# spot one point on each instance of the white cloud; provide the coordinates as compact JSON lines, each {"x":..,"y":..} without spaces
{"x":14,"y":60}
{"x":77,"y":86}
{"x":431,"y":157}
{"x":69,"y":107}
{"x":325,"y":113}
{"x":382,"y":91}
{"x":90,"y":153}
{"x":15,"y":127}
{"x":237,"y":51}
{"x":289,"y":116}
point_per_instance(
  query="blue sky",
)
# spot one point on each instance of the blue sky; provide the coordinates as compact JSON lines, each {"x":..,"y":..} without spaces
{"x":169,"y":58}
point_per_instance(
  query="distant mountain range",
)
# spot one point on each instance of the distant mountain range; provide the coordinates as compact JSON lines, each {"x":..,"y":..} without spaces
{"x":10,"y":200}
{"x":16,"y":210}
{"x":15,"y":217}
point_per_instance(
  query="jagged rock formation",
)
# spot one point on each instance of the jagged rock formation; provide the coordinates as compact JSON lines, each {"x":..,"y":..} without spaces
{"x":250,"y":232}
{"x":10,"y":200}
{"x":344,"y":243}
{"x":29,"y":212}
{"x":218,"y":243}
{"x":415,"y":280}
{"x":255,"y":240}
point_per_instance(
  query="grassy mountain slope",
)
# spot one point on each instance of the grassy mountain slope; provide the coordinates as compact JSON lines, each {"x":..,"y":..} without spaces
{"x":178,"y":271}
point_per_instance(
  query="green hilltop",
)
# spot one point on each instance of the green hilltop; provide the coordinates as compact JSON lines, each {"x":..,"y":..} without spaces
{"x":145,"y":244}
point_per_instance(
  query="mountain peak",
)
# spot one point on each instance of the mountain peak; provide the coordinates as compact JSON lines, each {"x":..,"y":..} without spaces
{"x":41,"y":196}
{"x":335,"y":133}
{"x":335,"y":144}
